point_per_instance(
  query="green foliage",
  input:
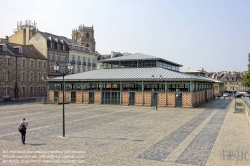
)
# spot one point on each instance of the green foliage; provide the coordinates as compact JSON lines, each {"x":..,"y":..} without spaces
{"x":246,"y":78}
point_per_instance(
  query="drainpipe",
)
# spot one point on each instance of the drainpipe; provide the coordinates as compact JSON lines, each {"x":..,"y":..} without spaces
{"x":16,"y":88}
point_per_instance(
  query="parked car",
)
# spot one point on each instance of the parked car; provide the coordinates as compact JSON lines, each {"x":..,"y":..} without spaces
{"x":218,"y":95}
{"x":226,"y":94}
{"x":246,"y":95}
{"x":239,"y":95}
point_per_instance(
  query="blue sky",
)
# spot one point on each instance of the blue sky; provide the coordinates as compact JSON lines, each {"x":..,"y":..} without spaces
{"x":209,"y":34}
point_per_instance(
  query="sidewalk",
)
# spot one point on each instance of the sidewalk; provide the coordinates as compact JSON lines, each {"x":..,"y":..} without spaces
{"x":232,"y":146}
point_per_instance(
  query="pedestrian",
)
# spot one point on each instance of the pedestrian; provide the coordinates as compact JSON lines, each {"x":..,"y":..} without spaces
{"x":23,"y":126}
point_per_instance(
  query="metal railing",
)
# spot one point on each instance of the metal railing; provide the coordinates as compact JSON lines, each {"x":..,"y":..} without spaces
{"x":18,"y":101}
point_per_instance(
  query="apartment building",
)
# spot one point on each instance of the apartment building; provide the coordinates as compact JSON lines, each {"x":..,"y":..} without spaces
{"x":82,"y":58}
{"x":21,"y":69}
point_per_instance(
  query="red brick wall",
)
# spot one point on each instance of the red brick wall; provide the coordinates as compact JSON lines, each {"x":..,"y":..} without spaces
{"x":51,"y":95}
{"x":85,"y":97}
{"x":79,"y":96}
{"x":138,"y":98}
{"x":97,"y":97}
{"x":147,"y":98}
{"x":170,"y":98}
{"x":186,"y":99}
{"x":162,"y":99}
{"x":125,"y":98}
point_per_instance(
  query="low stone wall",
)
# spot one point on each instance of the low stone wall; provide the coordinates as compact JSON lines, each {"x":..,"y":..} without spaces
{"x":246,"y":106}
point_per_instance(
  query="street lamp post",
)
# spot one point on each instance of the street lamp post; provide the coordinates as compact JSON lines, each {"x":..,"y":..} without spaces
{"x":56,"y":68}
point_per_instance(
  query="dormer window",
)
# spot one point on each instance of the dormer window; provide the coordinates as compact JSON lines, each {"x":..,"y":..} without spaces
{"x":50,"y":38}
{"x":62,"y":41}
{"x":64,"y":48}
{"x":56,"y":40}
{"x":4,"y":47}
{"x":58,"y":46}
{"x":51,"y":45}
{"x":20,"y":50}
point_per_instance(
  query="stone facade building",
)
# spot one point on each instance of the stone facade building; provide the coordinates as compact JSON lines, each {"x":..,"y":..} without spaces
{"x":21,"y":71}
{"x":232,"y":80}
{"x":82,"y":58}
{"x":54,"y":48}
{"x":84,"y":36}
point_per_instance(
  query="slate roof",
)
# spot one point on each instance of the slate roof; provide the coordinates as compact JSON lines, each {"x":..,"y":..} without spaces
{"x":131,"y":74}
{"x":231,"y":78}
{"x":29,"y":51}
{"x":46,"y":35}
{"x":138,"y":56}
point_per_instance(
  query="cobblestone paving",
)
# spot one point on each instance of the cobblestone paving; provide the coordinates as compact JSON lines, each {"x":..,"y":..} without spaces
{"x":200,"y":148}
{"x":164,"y":147}
{"x":126,"y":135}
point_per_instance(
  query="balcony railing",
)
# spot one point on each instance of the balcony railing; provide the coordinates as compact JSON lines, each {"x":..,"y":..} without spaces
{"x":84,"y":63}
{"x":89,"y":64}
{"x":73,"y":62}
{"x":78,"y":62}
{"x":93,"y":65}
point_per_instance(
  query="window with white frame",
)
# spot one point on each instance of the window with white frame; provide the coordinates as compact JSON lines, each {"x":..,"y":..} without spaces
{"x":38,"y":90}
{"x":63,"y":58}
{"x":83,"y":59}
{"x":4,"y":47}
{"x":20,"y":50}
{"x":73,"y":57}
{"x":51,"y":56}
{"x":7,"y":76}
{"x":23,"y":90}
{"x":88,"y":60}
{"x":31,"y":64}
{"x":31,"y":77}
{"x":51,"y":45}
{"x":64,"y":48}
{"x":23,"y":62}
{"x":31,"y":91}
{"x":58,"y":46}
{"x":79,"y":58}
{"x":7,"y":61}
{"x":38,"y":77}
{"x":51,"y":68}
{"x":23,"y":77}
{"x":44,"y":65}
{"x":58,"y":57}
{"x":64,"y":69}
{"x":39,"y":64}
{"x":78,"y":69}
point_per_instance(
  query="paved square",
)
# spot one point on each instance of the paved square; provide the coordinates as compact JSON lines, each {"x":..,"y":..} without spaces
{"x":125,"y":135}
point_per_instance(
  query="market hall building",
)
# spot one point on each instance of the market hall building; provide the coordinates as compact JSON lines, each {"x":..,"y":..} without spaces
{"x":136,"y":79}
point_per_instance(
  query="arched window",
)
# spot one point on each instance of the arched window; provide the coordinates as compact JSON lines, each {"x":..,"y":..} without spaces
{"x":87,"y":45}
{"x":87,"y":35}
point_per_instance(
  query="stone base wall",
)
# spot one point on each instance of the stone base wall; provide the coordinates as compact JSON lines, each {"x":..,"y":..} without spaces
{"x":164,"y":98}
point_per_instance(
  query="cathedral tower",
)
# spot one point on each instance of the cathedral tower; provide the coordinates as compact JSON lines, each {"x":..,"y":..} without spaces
{"x":84,"y":36}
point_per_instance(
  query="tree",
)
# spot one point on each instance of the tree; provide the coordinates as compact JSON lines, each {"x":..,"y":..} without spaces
{"x":246,"y":77}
